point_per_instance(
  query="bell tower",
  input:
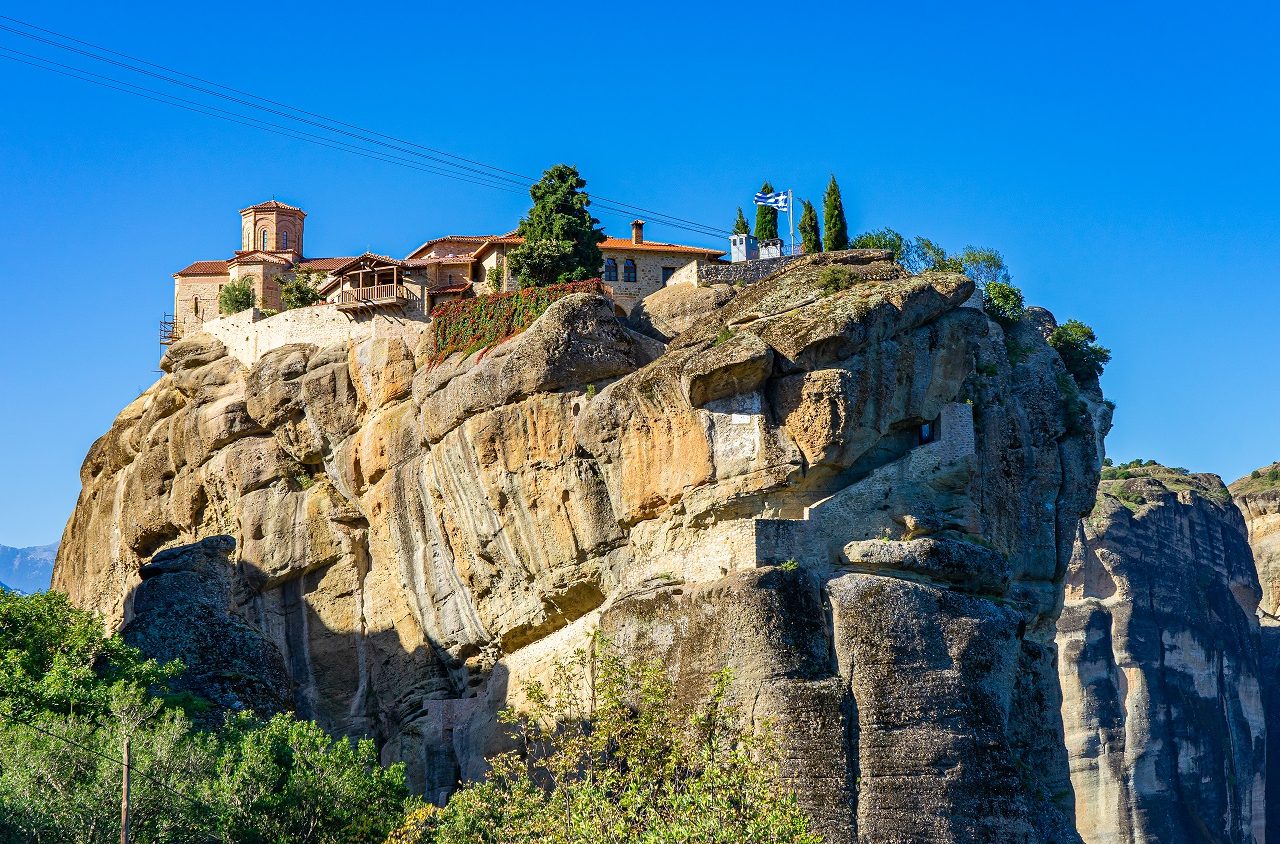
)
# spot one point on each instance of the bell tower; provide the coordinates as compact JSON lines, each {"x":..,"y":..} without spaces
{"x":272,"y":227}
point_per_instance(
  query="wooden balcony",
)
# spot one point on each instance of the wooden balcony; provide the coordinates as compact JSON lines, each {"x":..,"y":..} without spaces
{"x":375,"y":296}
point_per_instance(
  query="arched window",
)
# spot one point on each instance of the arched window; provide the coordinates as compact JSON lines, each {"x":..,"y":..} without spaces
{"x":629,"y":271}
{"x":264,"y":239}
{"x":284,"y":239}
{"x":611,"y":269}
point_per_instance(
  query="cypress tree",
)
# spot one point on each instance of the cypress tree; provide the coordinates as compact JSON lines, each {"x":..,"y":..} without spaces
{"x":740,"y":225}
{"x":766,"y":218}
{"x":833,"y":222}
{"x":561,"y":238}
{"x":809,"y":236}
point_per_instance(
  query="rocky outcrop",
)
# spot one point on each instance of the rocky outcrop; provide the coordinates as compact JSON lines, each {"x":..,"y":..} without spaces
{"x":1257,"y":495}
{"x":864,"y":501}
{"x":1159,"y":655}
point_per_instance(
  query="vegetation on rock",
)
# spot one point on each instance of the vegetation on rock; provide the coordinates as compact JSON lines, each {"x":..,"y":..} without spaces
{"x":1077,"y":345}
{"x":236,"y":296}
{"x":884,"y":239}
{"x":472,"y":325}
{"x":1003,"y":302}
{"x":561,"y":238}
{"x":608,"y":753}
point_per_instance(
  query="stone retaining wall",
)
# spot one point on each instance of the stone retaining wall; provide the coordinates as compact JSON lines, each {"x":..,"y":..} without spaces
{"x":743,"y":271}
{"x":249,"y":334}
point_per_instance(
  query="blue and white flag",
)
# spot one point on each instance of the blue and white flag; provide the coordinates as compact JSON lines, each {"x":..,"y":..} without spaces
{"x":780,"y":200}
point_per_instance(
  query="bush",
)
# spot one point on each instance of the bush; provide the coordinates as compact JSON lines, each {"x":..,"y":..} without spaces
{"x":610,"y":755}
{"x":882,"y":239}
{"x":1003,"y":303}
{"x":836,"y":278}
{"x":236,"y":296}
{"x":299,"y":291}
{"x":1077,"y":345}
{"x":470,"y":325}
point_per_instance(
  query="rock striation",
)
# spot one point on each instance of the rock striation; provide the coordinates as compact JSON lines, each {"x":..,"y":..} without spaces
{"x":1257,"y":495}
{"x":1160,"y":660}
{"x":861,"y":496}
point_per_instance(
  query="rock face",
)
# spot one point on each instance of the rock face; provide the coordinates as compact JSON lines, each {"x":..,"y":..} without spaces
{"x":1258,"y":497}
{"x":1160,"y":660}
{"x":863,"y":501}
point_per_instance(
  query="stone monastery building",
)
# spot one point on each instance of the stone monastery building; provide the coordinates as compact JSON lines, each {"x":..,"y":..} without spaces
{"x":272,"y":249}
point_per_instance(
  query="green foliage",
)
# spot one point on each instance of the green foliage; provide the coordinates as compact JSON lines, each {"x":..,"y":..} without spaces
{"x":299,"y":290}
{"x":236,"y":296}
{"x":740,"y":225}
{"x":69,"y":695}
{"x":470,"y":325}
{"x":607,"y":753}
{"x":561,"y":238}
{"x":810,"y":238}
{"x":836,"y":278}
{"x":726,"y":334}
{"x":766,"y":217}
{"x":885,"y":239}
{"x":1075,"y":413}
{"x":789,"y":565}
{"x":496,"y":274}
{"x":1077,"y":346}
{"x":835,"y":227}
{"x":928,"y":255}
{"x":984,"y":266}
{"x":1003,"y":303}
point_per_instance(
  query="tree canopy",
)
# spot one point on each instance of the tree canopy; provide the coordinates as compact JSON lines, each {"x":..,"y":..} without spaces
{"x":885,"y":239}
{"x":561,"y":238}
{"x":766,"y":217}
{"x":1077,"y":345}
{"x":810,"y":237}
{"x":740,"y":225}
{"x":835,"y":227}
{"x":299,"y":290}
{"x":236,"y":296}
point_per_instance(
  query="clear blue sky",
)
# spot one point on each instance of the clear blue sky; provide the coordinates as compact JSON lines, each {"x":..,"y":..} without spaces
{"x":1123,"y":158}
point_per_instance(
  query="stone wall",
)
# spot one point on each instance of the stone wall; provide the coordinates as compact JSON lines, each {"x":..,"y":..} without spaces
{"x":743,"y":271}
{"x":249,"y":334}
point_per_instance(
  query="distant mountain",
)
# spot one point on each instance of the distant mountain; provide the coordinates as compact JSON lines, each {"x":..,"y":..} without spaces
{"x":27,"y":569}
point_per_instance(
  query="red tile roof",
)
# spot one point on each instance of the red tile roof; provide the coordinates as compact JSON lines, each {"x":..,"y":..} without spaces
{"x":477,"y":239}
{"x":205,"y":268}
{"x":624,"y":244}
{"x":450,"y":287}
{"x":381,"y":258}
{"x":258,"y":256}
{"x":273,"y":205}
{"x":325,"y":263}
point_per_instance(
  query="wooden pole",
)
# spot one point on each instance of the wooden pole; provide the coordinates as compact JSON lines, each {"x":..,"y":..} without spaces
{"x":125,"y":837}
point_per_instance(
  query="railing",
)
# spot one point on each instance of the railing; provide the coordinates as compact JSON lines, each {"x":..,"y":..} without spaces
{"x":378,"y":294}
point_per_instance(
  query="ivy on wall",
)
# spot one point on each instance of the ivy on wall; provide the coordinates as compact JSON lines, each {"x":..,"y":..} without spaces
{"x":479,"y":324}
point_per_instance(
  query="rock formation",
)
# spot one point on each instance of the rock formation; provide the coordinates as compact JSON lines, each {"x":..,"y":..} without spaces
{"x":1159,"y":655}
{"x":1258,"y":497}
{"x":858,"y":493}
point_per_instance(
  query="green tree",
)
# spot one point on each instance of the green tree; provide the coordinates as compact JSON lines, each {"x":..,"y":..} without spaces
{"x":740,"y":225}
{"x":834,"y":225}
{"x":561,"y":238}
{"x":766,"y":217}
{"x":1077,"y":345}
{"x":610,"y":755}
{"x":984,"y":266}
{"x":810,"y":237}
{"x":300,"y":290}
{"x":930,"y":256}
{"x":1003,"y":302}
{"x":236,"y":296}
{"x":885,"y":239}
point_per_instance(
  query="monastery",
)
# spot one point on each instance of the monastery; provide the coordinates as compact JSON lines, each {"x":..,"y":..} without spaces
{"x":272,"y":248}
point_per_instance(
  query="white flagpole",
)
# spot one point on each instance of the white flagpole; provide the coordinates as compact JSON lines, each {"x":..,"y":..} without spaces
{"x":791,"y":218}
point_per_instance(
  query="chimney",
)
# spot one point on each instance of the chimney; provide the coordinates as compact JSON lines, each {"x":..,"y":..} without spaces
{"x":637,"y":231}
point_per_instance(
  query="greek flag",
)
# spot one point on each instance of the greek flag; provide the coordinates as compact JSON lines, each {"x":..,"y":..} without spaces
{"x":778,"y":200}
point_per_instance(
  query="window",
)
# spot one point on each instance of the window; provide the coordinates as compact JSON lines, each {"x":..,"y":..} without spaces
{"x":667,"y":273}
{"x":195,"y":305}
{"x":629,"y":271}
{"x":264,"y":239}
{"x":284,"y":239}
{"x":611,"y":269}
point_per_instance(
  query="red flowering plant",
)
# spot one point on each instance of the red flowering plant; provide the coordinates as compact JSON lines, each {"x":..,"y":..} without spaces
{"x":479,"y":324}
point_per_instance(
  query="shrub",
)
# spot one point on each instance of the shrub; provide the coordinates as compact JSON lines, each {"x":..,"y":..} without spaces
{"x":299,"y":291}
{"x":609,"y":754}
{"x":495,"y":275}
{"x":836,"y":278}
{"x":1077,"y":345}
{"x":470,"y":325}
{"x":883,"y":239}
{"x":236,"y":296}
{"x":1003,"y":303}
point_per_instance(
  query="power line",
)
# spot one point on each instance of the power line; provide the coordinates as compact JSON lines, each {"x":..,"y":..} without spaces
{"x":368,"y":136}
{"x":163,"y":785}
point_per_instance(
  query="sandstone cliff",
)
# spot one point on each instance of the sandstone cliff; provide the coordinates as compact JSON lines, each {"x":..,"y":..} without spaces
{"x":1258,"y":497}
{"x":1159,"y":655}
{"x":860,"y":495}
